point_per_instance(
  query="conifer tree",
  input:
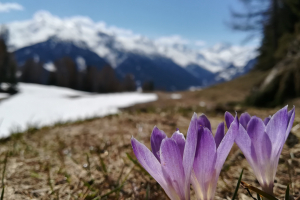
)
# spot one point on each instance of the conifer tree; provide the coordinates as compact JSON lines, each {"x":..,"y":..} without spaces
{"x":275,"y":20}
{"x":8,"y":66}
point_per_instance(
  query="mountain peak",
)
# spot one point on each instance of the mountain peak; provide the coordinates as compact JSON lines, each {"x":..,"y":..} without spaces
{"x":43,"y":15}
{"x":113,"y":43}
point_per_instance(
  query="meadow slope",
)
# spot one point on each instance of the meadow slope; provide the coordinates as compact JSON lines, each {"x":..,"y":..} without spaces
{"x":93,"y":159}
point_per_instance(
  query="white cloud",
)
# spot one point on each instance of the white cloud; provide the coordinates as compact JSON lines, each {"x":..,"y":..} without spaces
{"x":7,"y":7}
{"x":200,"y":43}
{"x":171,"y":40}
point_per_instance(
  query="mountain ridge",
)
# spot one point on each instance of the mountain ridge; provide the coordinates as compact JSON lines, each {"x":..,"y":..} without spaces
{"x":116,"y":46}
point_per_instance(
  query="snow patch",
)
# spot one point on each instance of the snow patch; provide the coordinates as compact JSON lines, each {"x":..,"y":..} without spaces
{"x":40,"y":105}
{"x":49,"y":67}
{"x":4,"y":95}
{"x":176,"y":96}
{"x":81,"y":63}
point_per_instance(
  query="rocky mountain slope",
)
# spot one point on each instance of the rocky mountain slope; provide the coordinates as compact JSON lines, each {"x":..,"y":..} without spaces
{"x":47,"y":37}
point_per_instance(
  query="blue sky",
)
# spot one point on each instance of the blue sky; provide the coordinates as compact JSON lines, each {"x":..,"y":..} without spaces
{"x":194,"y":19}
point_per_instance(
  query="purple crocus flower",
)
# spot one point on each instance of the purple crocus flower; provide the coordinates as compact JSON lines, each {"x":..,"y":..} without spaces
{"x":171,"y":161}
{"x":262,"y":142}
{"x":211,"y":153}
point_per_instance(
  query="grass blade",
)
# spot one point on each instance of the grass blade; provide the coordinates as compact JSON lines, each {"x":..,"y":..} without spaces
{"x":3,"y":174}
{"x":237,"y":185}
{"x":4,"y":168}
{"x":258,"y":197}
{"x":148,"y":192}
{"x":103,"y":166}
{"x":112,"y":191}
{"x":287,"y":193}
{"x":2,"y":193}
{"x":254,"y":189}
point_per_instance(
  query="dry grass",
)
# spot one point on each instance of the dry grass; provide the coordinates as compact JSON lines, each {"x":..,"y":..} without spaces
{"x":89,"y":159}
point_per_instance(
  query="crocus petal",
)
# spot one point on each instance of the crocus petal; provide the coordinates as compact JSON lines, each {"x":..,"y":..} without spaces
{"x":266,"y":120}
{"x":156,"y":138}
{"x":276,"y":129}
{"x":244,"y":119}
{"x":179,"y":139}
{"x":266,"y":151}
{"x":171,"y":162}
{"x":219,"y":134}
{"x":256,"y":130}
{"x":228,"y":119}
{"x":262,"y":144}
{"x":291,"y":117}
{"x":189,"y":153}
{"x":265,"y":169}
{"x":149,"y":162}
{"x":203,"y":121}
{"x":204,"y":164}
{"x":226,"y":144}
{"x":244,"y":142}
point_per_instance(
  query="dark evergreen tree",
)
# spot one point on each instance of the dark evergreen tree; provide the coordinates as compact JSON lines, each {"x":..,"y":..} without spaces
{"x":148,"y":86}
{"x":91,"y":79}
{"x":108,"y":81}
{"x":279,"y":25}
{"x":66,"y":73}
{"x":129,"y":83}
{"x":8,"y":66}
{"x":275,"y":20}
{"x":33,"y":72}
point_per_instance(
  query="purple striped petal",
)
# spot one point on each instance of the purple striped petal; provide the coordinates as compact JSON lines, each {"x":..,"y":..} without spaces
{"x":277,"y":128}
{"x":228,"y":119}
{"x":189,"y":153}
{"x":203,"y":121}
{"x":179,"y":139}
{"x":171,"y":162}
{"x":244,"y":143}
{"x":266,"y":120}
{"x":266,"y":151}
{"x":226,"y":144}
{"x":219,"y":134}
{"x":156,"y":138}
{"x":149,"y":162}
{"x":291,"y":117}
{"x":244,"y":119}
{"x":256,"y":130}
{"x":254,"y":163}
{"x":205,"y":160}
{"x":266,"y":166}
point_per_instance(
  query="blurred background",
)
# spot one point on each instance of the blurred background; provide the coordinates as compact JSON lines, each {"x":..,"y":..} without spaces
{"x":140,"y":63}
{"x":55,"y":57}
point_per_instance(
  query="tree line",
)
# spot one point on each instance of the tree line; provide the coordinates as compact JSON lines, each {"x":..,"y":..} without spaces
{"x":64,"y":73}
{"x":8,"y":66}
{"x":278,"y":22}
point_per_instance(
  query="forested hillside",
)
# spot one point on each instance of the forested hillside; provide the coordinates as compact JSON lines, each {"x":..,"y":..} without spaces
{"x":279,"y":23}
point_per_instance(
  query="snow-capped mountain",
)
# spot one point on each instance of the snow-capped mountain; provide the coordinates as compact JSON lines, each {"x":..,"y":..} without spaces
{"x":54,"y":49}
{"x":232,"y":72}
{"x":118,"y":47}
{"x":205,"y":76}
